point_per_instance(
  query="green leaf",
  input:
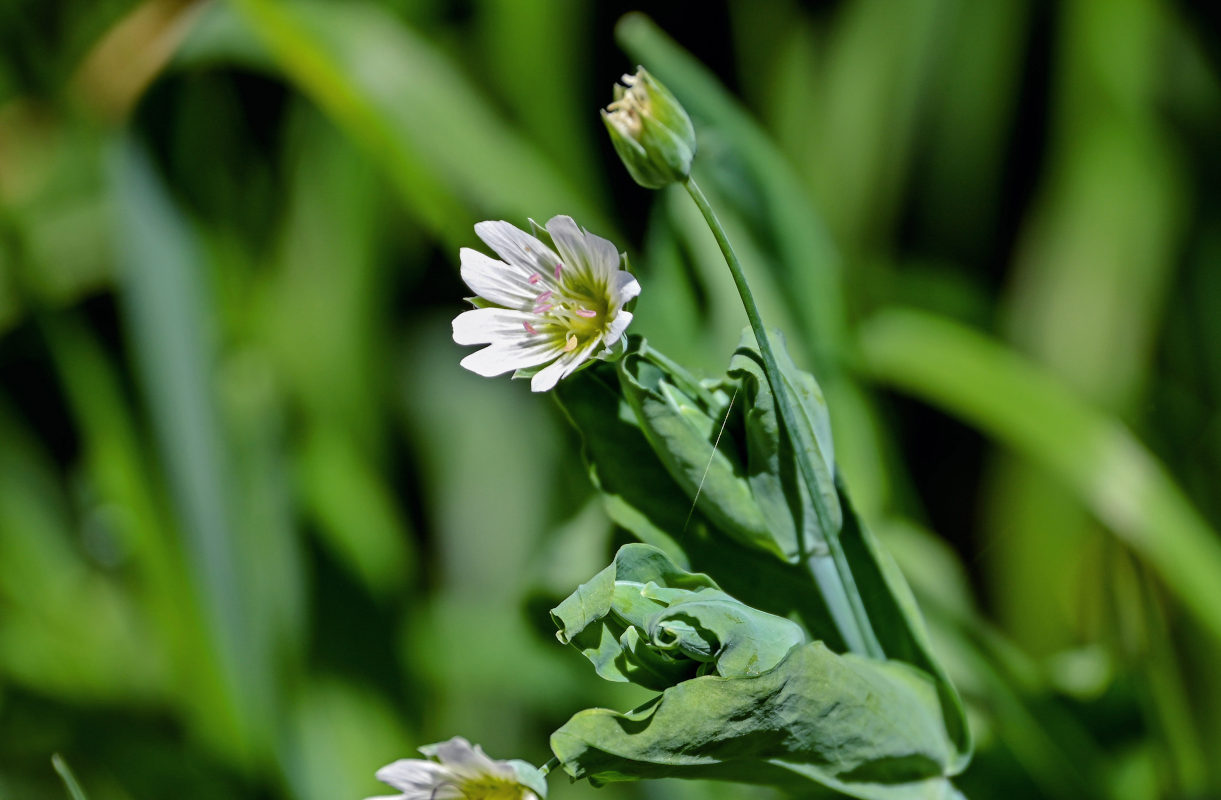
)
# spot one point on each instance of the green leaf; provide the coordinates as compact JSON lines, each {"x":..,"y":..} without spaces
{"x":644,"y":619}
{"x":635,"y":488}
{"x":898,"y":624}
{"x":639,"y":494}
{"x":683,"y":423}
{"x":859,"y":726}
{"x":771,"y":459}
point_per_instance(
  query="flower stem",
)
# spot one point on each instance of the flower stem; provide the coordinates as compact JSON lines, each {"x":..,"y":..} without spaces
{"x":834,"y":580}
{"x":551,"y":764}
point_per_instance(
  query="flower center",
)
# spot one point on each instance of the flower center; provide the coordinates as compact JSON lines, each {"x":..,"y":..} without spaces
{"x":491,"y":788}
{"x":572,"y":311}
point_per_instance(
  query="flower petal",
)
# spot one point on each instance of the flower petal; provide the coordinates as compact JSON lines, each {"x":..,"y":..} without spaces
{"x":516,"y":246}
{"x":414,"y":775}
{"x":503,"y":284}
{"x":483,"y":325}
{"x":584,"y":251}
{"x":457,"y":752}
{"x":545,"y":379}
{"x":617,"y":326}
{"x":499,"y":358}
{"x":626,"y":286}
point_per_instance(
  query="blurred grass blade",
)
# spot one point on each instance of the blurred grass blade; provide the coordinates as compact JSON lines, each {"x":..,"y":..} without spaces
{"x":1123,"y":484}
{"x":65,"y":773}
{"x":166,"y":312}
{"x":450,"y":156}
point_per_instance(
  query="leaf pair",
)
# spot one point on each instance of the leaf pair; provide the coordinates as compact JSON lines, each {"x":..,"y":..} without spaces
{"x":744,"y":697}
{"x":746,"y":694}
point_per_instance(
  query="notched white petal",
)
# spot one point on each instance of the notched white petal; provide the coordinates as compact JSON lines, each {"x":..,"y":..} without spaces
{"x":569,"y":240}
{"x":503,"y":284}
{"x":617,"y":327}
{"x":458,"y":752}
{"x":626,"y":286}
{"x":515,"y":245}
{"x":484,"y":325}
{"x":500,"y":357}
{"x":546,"y":379}
{"x":411,"y":774}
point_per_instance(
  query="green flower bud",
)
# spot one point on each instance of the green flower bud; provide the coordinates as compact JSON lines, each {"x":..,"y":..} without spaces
{"x":650,"y":130}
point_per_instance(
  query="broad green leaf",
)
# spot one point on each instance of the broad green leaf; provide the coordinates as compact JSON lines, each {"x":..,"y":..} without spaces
{"x":683,"y":423}
{"x":635,"y":488}
{"x":866,"y":728}
{"x":644,"y":619}
{"x":639,"y":494}
{"x":770,"y":456}
{"x":898,"y":624}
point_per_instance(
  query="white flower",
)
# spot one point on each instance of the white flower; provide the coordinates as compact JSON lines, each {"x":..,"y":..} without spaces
{"x":460,"y":772}
{"x":544,"y":307}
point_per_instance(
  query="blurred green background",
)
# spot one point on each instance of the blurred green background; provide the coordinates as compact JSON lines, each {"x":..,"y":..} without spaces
{"x":260,"y":534}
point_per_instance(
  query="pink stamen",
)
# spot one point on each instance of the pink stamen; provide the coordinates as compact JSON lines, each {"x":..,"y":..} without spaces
{"x":543,"y":309}
{"x":544,"y":297}
{"x":558,"y":268}
{"x":586,"y":312}
{"x":530,"y":328}
{"x":535,"y":278}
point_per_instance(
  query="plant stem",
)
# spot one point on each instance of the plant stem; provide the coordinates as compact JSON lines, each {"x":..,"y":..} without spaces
{"x":838,"y":586}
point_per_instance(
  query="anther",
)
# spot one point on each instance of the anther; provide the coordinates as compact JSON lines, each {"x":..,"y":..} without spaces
{"x":535,"y":278}
{"x":543,"y":309}
{"x":544,"y":297}
{"x":558,"y":269}
{"x":571,"y":343}
{"x":586,"y":312}
{"x":529,"y":328}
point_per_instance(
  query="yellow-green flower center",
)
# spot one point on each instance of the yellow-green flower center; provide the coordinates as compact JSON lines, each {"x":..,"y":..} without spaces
{"x":489,"y":787}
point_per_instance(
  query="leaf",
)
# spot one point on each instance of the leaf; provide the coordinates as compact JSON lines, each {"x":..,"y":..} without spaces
{"x":771,"y":459}
{"x":682,"y":423}
{"x":751,"y":576}
{"x":855,"y":725}
{"x":635,"y":488}
{"x":644,"y":619}
{"x":898,"y":624}
{"x":639,"y":494}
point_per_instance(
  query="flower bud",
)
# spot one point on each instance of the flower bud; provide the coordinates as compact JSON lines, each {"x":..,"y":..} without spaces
{"x":650,"y":131}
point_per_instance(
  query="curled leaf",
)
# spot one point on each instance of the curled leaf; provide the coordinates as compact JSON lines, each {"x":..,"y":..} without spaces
{"x":645,"y":620}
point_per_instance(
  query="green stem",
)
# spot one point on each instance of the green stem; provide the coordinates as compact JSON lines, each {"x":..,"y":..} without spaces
{"x":837,"y":585}
{"x":551,"y":764}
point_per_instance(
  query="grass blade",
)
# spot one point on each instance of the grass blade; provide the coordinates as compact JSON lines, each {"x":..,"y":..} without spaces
{"x":65,"y":773}
{"x":1122,"y":483}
